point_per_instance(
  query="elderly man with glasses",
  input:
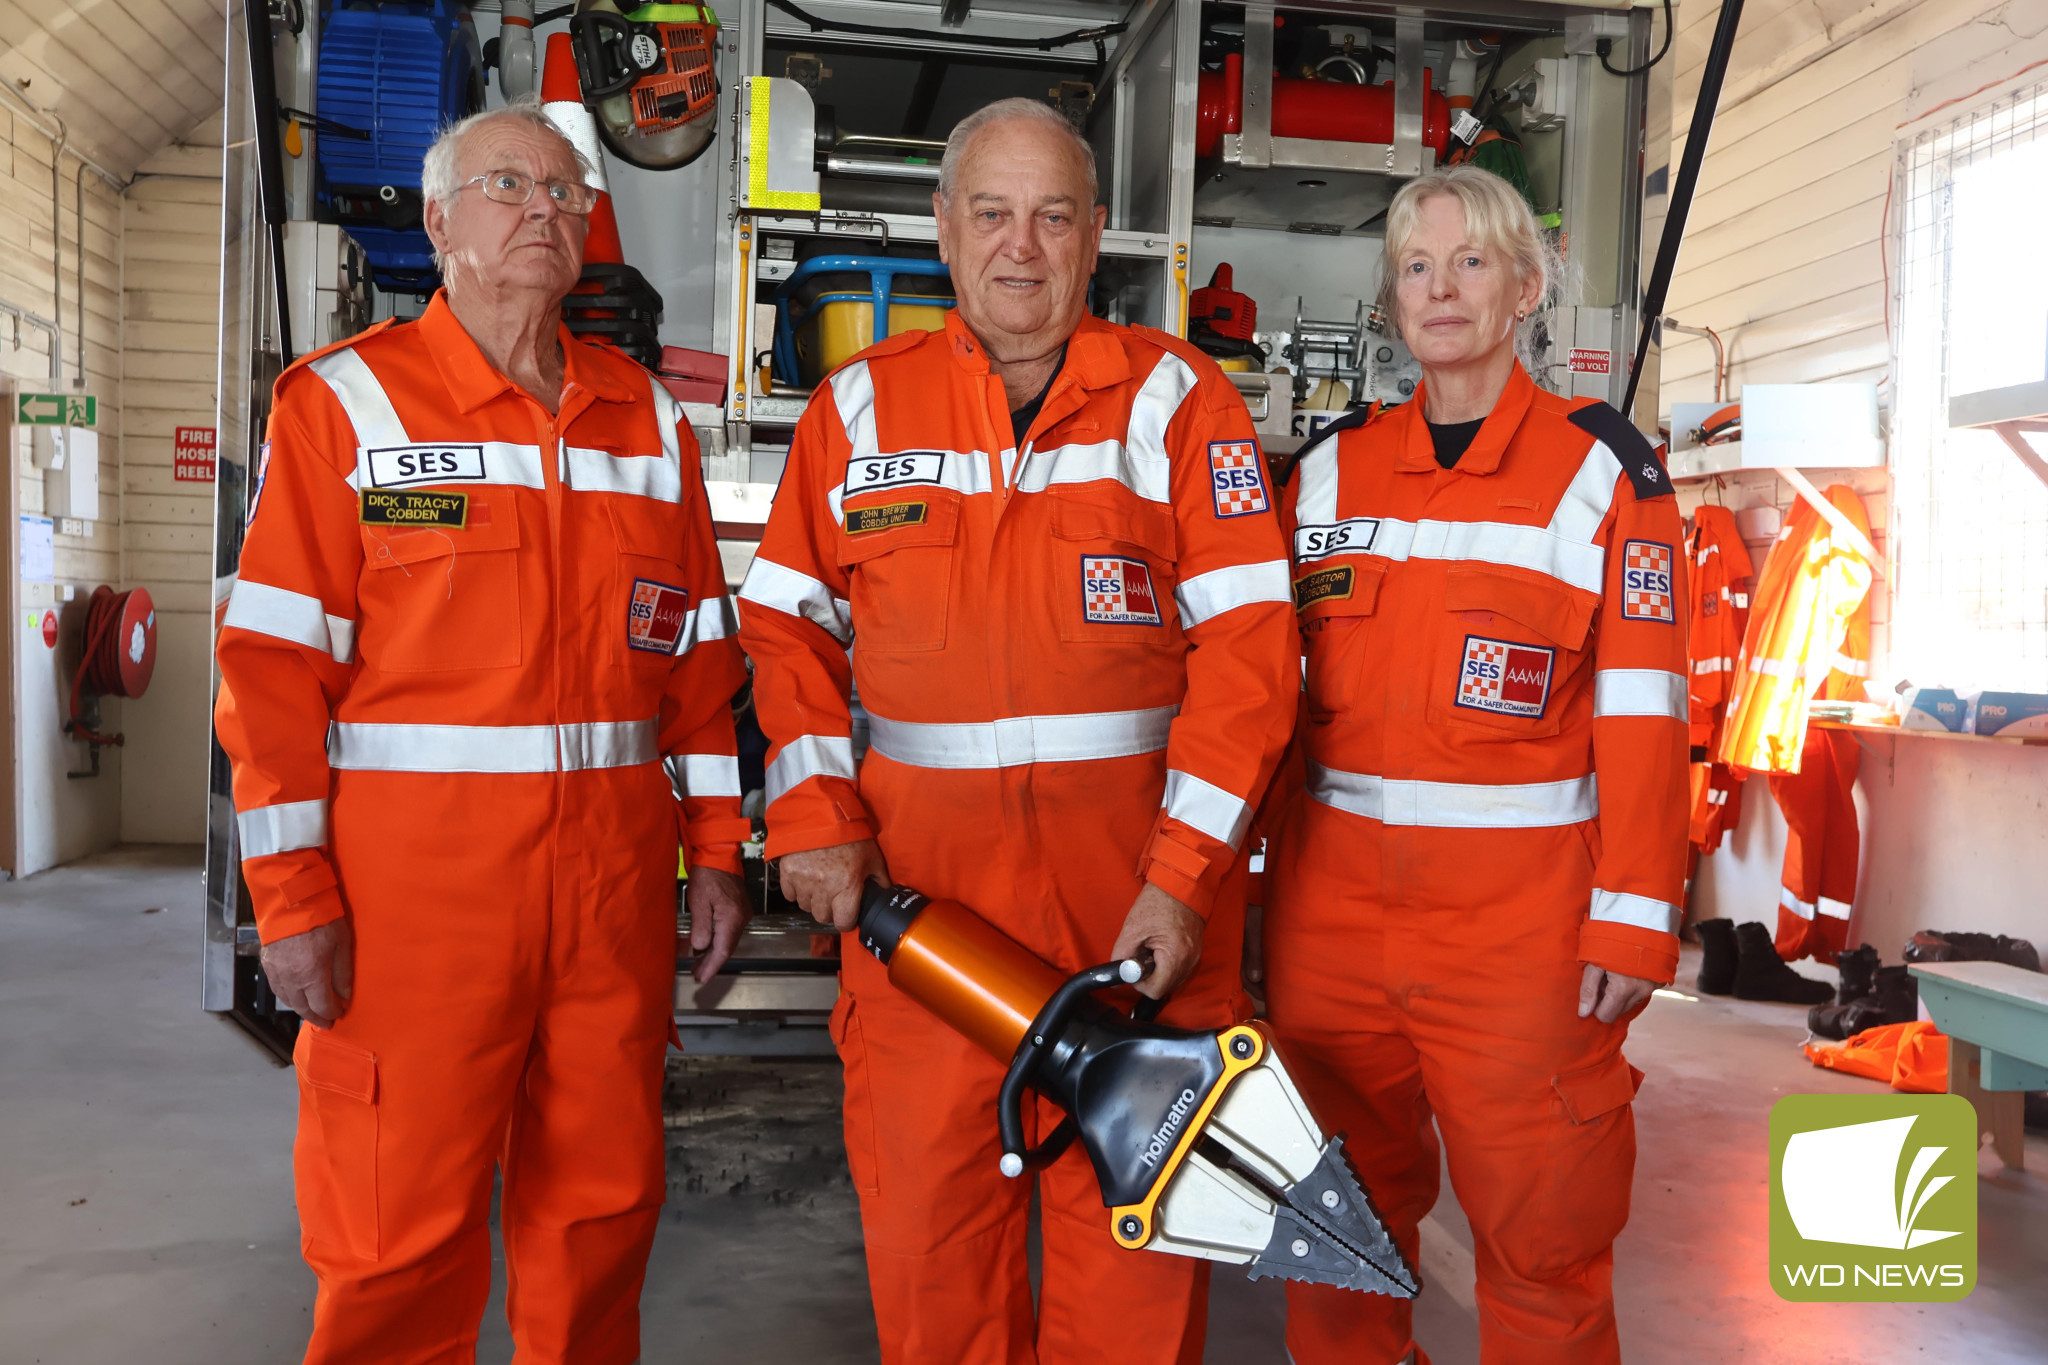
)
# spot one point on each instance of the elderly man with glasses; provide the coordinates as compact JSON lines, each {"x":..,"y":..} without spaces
{"x":474,"y":681}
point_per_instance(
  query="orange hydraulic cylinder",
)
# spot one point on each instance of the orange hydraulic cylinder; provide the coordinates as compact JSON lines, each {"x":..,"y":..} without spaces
{"x":972,"y":975}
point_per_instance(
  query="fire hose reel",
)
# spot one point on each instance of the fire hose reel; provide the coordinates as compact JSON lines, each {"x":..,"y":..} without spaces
{"x":118,"y":659}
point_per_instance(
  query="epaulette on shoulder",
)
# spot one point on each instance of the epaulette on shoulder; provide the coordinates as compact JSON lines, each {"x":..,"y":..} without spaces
{"x":894,"y":344}
{"x":1632,"y":449}
{"x":1166,"y":341}
{"x":333,"y":346}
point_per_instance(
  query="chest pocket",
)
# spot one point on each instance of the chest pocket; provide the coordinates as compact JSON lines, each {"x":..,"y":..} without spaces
{"x":647,"y":606}
{"x":897,"y":545}
{"x":437,"y":599}
{"x":1338,"y":632}
{"x":1113,"y":573}
{"x":1508,"y":652}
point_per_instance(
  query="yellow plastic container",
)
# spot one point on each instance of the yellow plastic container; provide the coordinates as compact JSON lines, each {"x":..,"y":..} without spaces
{"x":835,"y":333}
{"x":1242,"y":364}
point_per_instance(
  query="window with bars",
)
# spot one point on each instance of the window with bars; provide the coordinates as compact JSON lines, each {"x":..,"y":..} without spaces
{"x":1969,"y":521}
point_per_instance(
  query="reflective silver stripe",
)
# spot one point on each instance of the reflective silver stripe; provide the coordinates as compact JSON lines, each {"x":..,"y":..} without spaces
{"x":1832,"y":908}
{"x":806,"y":757}
{"x":853,"y":394}
{"x":1622,"y":907}
{"x":505,"y":463}
{"x":1780,"y":668}
{"x":1855,"y":668}
{"x":1159,"y":398}
{"x":1103,"y":460}
{"x":1640,"y":692}
{"x":1565,"y":549}
{"x":287,"y":615}
{"x":668,"y":414}
{"x":1723,"y":664}
{"x":704,"y":775}
{"x":1803,"y":909}
{"x":966,"y":472}
{"x":1016,"y":740}
{"x":1208,"y":595}
{"x":1206,"y":807}
{"x":713,"y":620}
{"x":1456,"y":805}
{"x":368,"y":747}
{"x":769,"y":584}
{"x":362,"y":398}
{"x":282,"y":828}
{"x":659,"y":477}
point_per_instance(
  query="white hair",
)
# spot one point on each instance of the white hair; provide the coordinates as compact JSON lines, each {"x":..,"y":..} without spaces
{"x":441,"y":171}
{"x":1002,"y":111}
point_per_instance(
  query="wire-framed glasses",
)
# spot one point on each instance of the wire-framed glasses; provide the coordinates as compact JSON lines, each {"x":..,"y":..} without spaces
{"x":514,"y":187}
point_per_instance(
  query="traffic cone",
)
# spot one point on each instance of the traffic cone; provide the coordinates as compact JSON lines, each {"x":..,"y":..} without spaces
{"x":561,"y":99}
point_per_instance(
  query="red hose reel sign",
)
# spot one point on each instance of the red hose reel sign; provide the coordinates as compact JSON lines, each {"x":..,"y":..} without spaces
{"x":192,"y":455}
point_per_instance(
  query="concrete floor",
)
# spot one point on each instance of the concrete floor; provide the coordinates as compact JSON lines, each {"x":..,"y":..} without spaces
{"x":146,"y":1213}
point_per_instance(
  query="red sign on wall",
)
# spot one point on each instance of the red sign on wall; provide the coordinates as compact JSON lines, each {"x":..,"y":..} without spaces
{"x":192,"y":458}
{"x":1590,"y":361}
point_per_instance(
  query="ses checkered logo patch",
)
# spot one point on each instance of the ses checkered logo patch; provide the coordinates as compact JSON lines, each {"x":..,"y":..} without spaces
{"x":1504,"y":677}
{"x":1118,"y":592}
{"x":1237,"y":478}
{"x":1646,"y":581}
{"x":656,"y":616}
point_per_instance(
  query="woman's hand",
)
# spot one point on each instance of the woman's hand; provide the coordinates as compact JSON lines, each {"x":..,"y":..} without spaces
{"x":1608,"y":995}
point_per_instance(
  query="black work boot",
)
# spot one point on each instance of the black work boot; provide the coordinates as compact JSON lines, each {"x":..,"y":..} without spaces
{"x":1717,"y":956}
{"x":1760,"y":974}
{"x":1845,"y":1021}
{"x":1898,"y":994}
{"x":1859,"y":968}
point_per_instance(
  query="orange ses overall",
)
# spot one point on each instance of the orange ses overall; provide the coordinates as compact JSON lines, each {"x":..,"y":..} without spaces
{"x":467,"y":638}
{"x":1495,"y":795}
{"x":1074,"y":649}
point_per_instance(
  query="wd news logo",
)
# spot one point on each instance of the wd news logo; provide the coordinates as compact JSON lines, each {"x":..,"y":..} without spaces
{"x":1873,"y":1198}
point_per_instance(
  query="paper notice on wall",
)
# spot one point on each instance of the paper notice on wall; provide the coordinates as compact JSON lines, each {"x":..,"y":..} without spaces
{"x":38,"y":550}
{"x":192,"y":455}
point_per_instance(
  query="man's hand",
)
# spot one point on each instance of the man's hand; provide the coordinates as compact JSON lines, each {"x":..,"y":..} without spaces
{"x":1166,"y":932}
{"x":1608,"y":995}
{"x":827,"y":882}
{"x":718,"y":916}
{"x":314,"y":973}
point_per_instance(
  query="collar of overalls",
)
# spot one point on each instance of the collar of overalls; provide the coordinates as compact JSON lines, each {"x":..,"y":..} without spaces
{"x":1095,"y":360}
{"x":473,"y":381}
{"x":1483,"y":456}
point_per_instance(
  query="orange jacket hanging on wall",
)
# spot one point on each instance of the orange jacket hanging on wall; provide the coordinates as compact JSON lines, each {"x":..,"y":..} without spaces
{"x":1722,"y":579}
{"x":1809,"y":635}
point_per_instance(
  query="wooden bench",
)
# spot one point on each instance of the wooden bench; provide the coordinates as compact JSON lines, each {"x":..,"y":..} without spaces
{"x":1996,"y":1019}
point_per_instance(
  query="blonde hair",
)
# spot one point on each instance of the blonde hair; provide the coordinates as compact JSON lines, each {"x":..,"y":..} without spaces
{"x":1497,"y":218}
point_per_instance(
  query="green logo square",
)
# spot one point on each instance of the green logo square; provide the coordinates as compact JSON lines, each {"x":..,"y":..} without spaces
{"x":1873,"y":1198}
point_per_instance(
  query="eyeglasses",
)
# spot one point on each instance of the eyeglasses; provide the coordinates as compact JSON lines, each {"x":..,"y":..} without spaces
{"x":511,"y":187}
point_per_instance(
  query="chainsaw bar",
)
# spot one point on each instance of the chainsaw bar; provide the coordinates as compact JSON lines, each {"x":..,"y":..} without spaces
{"x":1326,"y":1231}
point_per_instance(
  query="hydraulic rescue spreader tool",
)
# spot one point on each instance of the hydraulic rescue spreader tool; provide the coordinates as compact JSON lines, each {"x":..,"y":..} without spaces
{"x":1199,"y":1139}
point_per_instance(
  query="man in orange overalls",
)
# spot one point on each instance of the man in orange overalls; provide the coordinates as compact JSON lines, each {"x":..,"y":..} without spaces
{"x":1051,"y":546}
{"x":479,"y":609}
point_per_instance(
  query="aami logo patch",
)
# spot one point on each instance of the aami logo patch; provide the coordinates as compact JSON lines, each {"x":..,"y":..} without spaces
{"x":1504,"y":677}
{"x":403,"y":466}
{"x":1237,"y":478}
{"x":1118,"y":592}
{"x":656,"y":615}
{"x":1646,"y":581}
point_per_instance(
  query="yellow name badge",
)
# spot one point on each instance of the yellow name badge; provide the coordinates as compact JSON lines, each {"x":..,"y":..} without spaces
{"x":399,"y":507}
{"x":861,"y":520}
{"x":1324,"y":585}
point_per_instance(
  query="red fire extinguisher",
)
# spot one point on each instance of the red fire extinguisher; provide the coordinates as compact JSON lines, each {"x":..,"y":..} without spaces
{"x":1325,"y":111}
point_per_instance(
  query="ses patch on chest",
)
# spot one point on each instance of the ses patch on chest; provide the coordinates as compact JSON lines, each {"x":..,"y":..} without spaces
{"x":655,"y":616}
{"x":383,"y":507}
{"x":404,"y":466}
{"x":1118,"y":591}
{"x":1504,"y":677}
{"x":861,"y":520}
{"x":865,"y":472}
{"x":1646,"y":582}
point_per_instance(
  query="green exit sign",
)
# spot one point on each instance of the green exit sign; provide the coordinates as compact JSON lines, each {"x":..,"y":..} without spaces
{"x":56,"y":409}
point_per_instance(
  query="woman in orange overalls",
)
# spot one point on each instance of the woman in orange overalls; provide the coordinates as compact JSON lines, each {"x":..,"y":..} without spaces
{"x":1476,"y":886}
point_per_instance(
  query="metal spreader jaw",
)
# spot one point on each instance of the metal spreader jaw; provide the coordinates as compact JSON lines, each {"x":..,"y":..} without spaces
{"x":1199,"y":1139}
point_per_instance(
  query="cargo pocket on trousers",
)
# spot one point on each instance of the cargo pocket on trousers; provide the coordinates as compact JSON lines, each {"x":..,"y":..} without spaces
{"x":337,"y":1155}
{"x":860,"y":1100}
{"x":1596,"y":1089}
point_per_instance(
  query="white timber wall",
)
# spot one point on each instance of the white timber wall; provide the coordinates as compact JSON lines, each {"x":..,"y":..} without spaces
{"x":171,"y":332}
{"x":1786,"y":255}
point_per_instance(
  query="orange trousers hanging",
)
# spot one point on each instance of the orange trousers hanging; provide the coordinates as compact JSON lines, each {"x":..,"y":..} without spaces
{"x":511,"y":1007}
{"x":1455,"y":1008}
{"x":1822,"y":846}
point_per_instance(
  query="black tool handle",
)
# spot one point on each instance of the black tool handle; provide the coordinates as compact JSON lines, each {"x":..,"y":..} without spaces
{"x":1052,"y":1020}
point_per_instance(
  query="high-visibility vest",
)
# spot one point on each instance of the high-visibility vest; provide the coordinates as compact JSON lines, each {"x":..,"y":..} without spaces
{"x":1809,"y":633}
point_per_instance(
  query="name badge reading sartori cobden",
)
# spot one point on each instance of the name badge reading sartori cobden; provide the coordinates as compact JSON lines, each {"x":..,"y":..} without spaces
{"x":396,"y":507}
